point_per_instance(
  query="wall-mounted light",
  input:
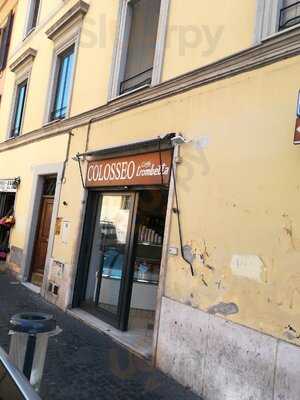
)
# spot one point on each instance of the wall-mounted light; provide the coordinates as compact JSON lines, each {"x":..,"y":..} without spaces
{"x":17,"y":181}
{"x":179,"y":139}
{"x":199,"y":143}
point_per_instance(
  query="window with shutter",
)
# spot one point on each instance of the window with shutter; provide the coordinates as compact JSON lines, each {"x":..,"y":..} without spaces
{"x":34,"y":8}
{"x":289,"y":14}
{"x":140,"y":45}
{"x":5,"y":41}
{"x":144,"y":19}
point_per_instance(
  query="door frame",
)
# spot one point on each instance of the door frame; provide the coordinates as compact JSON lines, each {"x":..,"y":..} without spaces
{"x":121,"y":320}
{"x":39,"y":172}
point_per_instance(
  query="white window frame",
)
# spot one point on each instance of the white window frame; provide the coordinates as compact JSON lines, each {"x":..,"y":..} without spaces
{"x":121,"y":46}
{"x":59,"y":49}
{"x":267,"y":19}
{"x":30,"y":11}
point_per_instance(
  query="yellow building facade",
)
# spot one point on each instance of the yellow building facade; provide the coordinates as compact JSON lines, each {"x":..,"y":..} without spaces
{"x":155,"y":180}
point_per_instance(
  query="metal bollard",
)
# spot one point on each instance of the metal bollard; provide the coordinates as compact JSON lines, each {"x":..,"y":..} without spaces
{"x":29,"y":342}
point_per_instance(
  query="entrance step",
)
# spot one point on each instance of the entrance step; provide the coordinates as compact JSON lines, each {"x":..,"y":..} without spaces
{"x":135,"y":341}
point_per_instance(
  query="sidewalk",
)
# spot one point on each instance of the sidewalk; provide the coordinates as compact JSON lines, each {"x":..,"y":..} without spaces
{"x":83,"y":363}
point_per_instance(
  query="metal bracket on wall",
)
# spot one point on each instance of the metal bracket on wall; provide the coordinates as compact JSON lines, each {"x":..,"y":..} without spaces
{"x":77,"y":158}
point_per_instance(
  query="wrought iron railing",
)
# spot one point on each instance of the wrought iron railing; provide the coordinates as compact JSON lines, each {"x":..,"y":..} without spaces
{"x":13,"y":384}
{"x":59,"y":113}
{"x":289,"y":16}
{"x":136,"y":81}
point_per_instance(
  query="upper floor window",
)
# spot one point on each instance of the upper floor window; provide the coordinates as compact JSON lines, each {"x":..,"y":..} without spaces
{"x":275,"y":15}
{"x":34,"y":8}
{"x":289,"y":14}
{"x":143,"y":18}
{"x":5,"y":36}
{"x":19,"y":108}
{"x":63,"y":84}
{"x":140,"y":45}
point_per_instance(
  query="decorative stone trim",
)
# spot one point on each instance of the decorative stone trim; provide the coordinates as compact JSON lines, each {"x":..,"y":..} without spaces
{"x":26,"y":57}
{"x":272,"y":50}
{"x":77,"y":12}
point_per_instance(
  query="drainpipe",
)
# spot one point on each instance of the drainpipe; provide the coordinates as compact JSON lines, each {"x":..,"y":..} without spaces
{"x":67,"y":156}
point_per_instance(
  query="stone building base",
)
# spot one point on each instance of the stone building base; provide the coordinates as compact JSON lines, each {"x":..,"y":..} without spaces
{"x":221,"y":360}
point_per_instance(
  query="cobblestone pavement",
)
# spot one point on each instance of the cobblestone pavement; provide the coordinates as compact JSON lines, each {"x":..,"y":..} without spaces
{"x":83,"y":363}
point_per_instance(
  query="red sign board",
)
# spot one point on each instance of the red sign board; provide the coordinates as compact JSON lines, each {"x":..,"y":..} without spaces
{"x":140,"y":169}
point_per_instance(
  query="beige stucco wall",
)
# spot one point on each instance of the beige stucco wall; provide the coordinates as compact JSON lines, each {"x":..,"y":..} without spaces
{"x":203,"y":32}
{"x":38,"y":89}
{"x":245,"y":192}
{"x":238,"y":182}
{"x":197,"y":35}
{"x":244,"y":226}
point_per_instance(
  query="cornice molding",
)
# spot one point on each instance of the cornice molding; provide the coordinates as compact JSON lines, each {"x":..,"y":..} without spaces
{"x":272,"y":50}
{"x":77,"y":12}
{"x":26,"y":57}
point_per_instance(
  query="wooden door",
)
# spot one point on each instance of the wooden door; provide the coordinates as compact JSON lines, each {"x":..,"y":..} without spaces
{"x":42,"y":238}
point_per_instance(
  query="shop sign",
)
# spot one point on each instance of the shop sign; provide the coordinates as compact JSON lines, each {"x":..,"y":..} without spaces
{"x":8,"y":185}
{"x":140,"y":169}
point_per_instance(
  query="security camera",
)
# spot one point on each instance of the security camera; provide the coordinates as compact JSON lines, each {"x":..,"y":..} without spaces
{"x":179,"y":139}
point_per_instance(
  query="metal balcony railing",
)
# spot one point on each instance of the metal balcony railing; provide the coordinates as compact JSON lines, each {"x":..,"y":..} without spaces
{"x":289,"y":16}
{"x":137,"y":81}
{"x":58,"y":113}
{"x":13,"y":384}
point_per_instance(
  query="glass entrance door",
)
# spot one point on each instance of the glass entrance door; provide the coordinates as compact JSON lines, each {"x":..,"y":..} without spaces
{"x":108,"y":271}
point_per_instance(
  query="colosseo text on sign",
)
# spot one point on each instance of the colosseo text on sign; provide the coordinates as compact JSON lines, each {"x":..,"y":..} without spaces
{"x":140,"y":169}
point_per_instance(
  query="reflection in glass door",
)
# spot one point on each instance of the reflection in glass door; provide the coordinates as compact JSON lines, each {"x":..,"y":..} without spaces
{"x":109,"y":257}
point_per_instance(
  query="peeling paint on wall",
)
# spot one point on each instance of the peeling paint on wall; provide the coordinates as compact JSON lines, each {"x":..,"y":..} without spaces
{"x":188,"y":253}
{"x":224,"y":309}
{"x":247,"y":266}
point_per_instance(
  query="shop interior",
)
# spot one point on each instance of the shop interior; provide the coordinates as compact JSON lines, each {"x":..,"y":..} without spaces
{"x":150,"y":225}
